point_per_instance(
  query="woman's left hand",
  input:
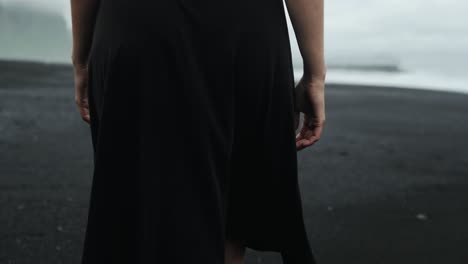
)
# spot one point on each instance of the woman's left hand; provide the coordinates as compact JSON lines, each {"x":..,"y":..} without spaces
{"x":310,"y":99}
{"x":81,"y":91}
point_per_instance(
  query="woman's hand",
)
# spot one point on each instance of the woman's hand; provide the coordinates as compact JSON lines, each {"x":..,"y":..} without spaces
{"x":81,"y":91}
{"x":83,"y":14}
{"x":310,"y":99}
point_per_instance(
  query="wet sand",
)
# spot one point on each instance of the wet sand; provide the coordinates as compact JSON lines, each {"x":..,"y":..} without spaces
{"x":387,"y":183}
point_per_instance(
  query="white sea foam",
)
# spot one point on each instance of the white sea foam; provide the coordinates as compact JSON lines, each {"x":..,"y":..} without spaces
{"x":416,"y":80}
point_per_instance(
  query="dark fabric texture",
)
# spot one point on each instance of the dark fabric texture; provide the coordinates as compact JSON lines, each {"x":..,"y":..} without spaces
{"x":192,"y":127}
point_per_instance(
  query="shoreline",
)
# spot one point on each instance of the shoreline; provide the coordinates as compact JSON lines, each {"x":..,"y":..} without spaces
{"x":406,"y":80}
{"x":37,"y":67}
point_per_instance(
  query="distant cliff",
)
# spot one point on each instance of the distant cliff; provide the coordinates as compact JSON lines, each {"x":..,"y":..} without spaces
{"x":29,"y":34}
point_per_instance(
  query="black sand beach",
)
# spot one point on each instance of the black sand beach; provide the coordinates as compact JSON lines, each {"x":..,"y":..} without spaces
{"x":387,"y":183}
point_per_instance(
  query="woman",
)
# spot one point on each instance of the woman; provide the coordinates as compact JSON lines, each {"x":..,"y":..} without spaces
{"x":193,"y":110}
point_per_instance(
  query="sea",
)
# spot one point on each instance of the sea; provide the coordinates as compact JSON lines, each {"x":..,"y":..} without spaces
{"x":420,"y":44}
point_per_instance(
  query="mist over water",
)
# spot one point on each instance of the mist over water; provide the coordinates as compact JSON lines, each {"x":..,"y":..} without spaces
{"x":34,"y":30}
{"x":61,"y":7}
{"x":415,"y":43}
{"x":426,"y":40}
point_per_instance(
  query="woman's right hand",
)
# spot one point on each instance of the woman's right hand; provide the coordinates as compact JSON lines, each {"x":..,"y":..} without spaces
{"x":310,"y":100}
{"x":81,"y":91}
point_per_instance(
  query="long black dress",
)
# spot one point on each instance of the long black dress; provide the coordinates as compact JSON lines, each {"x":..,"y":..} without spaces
{"x":192,"y":122}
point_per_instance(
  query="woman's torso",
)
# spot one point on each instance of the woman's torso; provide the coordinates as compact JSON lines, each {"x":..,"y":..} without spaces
{"x":124,"y":21}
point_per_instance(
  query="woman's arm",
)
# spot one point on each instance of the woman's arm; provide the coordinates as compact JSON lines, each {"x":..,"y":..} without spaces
{"x":83,"y":18}
{"x":83,"y":14}
{"x":307,"y":19}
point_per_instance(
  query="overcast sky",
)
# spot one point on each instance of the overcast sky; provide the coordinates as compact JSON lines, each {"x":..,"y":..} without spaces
{"x":359,"y":16}
{"x":59,"y":6}
{"x":372,"y":25}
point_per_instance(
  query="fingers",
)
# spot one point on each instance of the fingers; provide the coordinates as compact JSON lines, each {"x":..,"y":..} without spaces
{"x":84,"y":112}
{"x":83,"y":108}
{"x":310,"y":132}
{"x":81,"y":101}
{"x":81,"y":92}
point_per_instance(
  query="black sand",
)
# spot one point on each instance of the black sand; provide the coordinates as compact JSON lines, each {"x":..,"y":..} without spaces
{"x":387,"y":183}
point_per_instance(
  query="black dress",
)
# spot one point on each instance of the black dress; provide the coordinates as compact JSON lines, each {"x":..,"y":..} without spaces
{"x":192,"y":122}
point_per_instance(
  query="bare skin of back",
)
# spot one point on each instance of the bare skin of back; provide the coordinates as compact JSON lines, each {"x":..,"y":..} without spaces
{"x":307,"y":17}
